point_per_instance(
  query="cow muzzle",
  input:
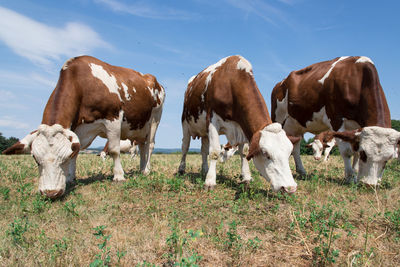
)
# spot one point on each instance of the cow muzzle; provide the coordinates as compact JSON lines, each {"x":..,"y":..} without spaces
{"x":52,"y":194}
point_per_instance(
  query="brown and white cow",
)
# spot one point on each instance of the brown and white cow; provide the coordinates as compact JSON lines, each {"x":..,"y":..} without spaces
{"x":93,"y":98}
{"x":224,"y":99}
{"x":340,"y":95}
{"x":323,"y":142}
{"x":125,"y":146}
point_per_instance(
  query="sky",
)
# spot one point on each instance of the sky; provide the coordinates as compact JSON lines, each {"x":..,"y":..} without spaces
{"x":175,"y":40}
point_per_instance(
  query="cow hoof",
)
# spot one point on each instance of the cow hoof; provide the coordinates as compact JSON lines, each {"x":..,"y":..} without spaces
{"x":119,"y":179}
{"x":246,"y":184}
{"x":209,"y":187}
{"x":145,"y":172}
{"x":181,"y":172}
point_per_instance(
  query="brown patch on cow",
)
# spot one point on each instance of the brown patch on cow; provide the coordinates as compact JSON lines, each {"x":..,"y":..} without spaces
{"x":17,"y":148}
{"x":232,"y":94}
{"x":79,"y":97}
{"x":325,"y":138}
{"x":294,"y":139}
{"x":351,"y":91}
{"x":254,"y":147}
{"x":350,"y":137}
{"x":75,"y":149}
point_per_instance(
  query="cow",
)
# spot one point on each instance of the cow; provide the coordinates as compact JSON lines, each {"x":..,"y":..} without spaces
{"x":323,"y":142}
{"x":93,"y":98}
{"x":227,"y":151}
{"x":339,"y":95}
{"x":125,"y":146}
{"x":224,"y":99}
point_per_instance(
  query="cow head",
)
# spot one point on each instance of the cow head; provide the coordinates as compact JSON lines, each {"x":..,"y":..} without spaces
{"x":103,"y":155}
{"x":52,"y":147}
{"x":270,"y":149}
{"x":227,"y":152}
{"x":375,"y":145}
{"x":317,"y":148}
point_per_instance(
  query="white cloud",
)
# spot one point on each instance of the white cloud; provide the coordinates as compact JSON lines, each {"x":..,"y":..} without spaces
{"x":26,"y":80}
{"x":10,"y":122}
{"x":43,"y":44}
{"x":142,"y":9}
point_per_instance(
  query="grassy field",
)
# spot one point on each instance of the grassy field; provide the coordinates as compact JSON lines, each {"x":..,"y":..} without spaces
{"x":165,"y":219}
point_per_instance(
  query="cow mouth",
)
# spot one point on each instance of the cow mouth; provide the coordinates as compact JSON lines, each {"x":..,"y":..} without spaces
{"x":289,"y":190}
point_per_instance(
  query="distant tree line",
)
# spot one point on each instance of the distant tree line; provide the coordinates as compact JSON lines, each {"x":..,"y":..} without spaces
{"x":6,"y":142}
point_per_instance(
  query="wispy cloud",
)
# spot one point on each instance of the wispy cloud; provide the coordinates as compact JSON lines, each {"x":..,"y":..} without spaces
{"x":11,"y":122}
{"x":261,"y":9}
{"x":26,"y":80}
{"x":44,"y":44}
{"x":145,"y":10}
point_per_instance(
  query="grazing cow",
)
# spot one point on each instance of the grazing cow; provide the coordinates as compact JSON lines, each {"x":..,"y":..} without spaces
{"x":93,"y":98}
{"x":125,"y":146}
{"x":227,"y":151}
{"x":323,"y":142}
{"x":340,"y":95}
{"x":224,"y":99}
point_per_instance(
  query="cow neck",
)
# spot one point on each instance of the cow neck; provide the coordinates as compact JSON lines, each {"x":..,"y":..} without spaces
{"x":253,"y":114}
{"x":63,"y":106}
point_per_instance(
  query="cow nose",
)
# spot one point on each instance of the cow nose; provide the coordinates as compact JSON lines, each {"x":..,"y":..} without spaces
{"x":289,"y":189}
{"x":52,"y":194}
{"x":317,"y":158}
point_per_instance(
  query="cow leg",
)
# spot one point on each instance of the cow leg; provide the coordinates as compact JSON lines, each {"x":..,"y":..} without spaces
{"x":71,"y":170}
{"x":297,"y":160}
{"x":327,"y":152}
{"x":149,"y":147}
{"x":356,"y":157}
{"x":132,"y":150}
{"x":114,"y":152}
{"x":142,"y":152}
{"x":246,"y":175}
{"x":185,"y":148}
{"x":205,"y":146}
{"x":346,"y":152}
{"x":214,"y":152}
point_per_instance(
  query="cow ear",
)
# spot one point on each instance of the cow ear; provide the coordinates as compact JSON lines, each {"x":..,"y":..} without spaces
{"x":352,"y":137}
{"x":73,"y":138}
{"x":294,"y":139}
{"x":254,"y":148}
{"x":23,"y":146}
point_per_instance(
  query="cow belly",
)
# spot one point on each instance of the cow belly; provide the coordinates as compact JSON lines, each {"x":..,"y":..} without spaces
{"x":230,"y":129}
{"x":197,"y":128}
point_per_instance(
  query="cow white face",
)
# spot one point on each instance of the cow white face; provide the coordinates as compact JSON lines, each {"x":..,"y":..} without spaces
{"x":376,"y":145}
{"x":53,"y":149}
{"x":317,"y":148}
{"x":271,"y":157}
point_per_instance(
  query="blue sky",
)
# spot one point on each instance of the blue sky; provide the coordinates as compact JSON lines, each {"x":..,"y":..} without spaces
{"x":175,"y":40}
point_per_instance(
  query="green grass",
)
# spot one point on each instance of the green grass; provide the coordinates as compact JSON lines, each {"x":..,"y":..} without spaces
{"x":166,"y":219}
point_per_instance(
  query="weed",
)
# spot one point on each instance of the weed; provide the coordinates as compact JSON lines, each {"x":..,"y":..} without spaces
{"x":69,"y":208}
{"x":58,"y":247}
{"x":5,"y":192}
{"x":394,"y":220}
{"x":17,"y":229}
{"x":39,"y":204}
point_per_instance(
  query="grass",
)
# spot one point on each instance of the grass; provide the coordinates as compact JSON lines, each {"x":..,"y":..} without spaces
{"x":165,"y":219}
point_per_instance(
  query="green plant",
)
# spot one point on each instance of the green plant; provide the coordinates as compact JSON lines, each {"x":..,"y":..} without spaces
{"x":233,"y":240}
{"x":58,"y":247}
{"x":69,"y":208}
{"x":17,"y":229}
{"x":394,"y":220}
{"x":5,"y":192}
{"x":39,"y":204}
{"x":103,"y":258}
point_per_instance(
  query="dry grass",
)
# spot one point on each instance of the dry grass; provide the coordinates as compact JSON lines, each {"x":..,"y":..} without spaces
{"x":164,"y":218}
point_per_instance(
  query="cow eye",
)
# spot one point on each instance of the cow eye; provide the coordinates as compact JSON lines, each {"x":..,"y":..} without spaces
{"x":363,"y":156}
{"x":265,"y":154}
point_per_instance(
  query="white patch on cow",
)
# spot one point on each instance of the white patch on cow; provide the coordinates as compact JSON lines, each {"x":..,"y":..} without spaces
{"x":230,"y":129}
{"x":273,"y":161}
{"x":109,"y":80}
{"x":245,"y":65}
{"x":322,"y":80}
{"x":319,"y":122}
{"x":317,"y":147}
{"x":197,"y":128}
{"x":127,"y":95}
{"x":281,"y":112}
{"x":227,"y":154}
{"x":134,"y":89}
{"x":364,"y":60}
{"x":211,"y":70}
{"x":191,"y":79}
{"x":379,"y":145}
{"x":65,"y":66}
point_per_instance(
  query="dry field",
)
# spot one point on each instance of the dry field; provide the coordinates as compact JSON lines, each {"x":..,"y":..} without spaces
{"x":166,"y":220}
